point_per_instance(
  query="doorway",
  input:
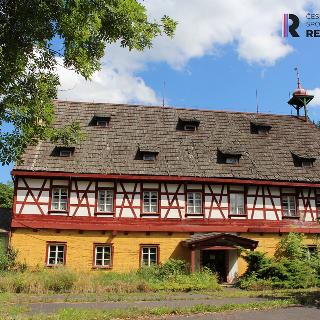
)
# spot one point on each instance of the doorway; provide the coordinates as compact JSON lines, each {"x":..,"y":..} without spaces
{"x":216,"y":261}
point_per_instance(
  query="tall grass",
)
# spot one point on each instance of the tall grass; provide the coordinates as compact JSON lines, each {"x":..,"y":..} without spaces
{"x":172,"y":276}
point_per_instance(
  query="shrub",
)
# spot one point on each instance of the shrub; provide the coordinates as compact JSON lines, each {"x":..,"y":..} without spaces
{"x":290,"y":268}
{"x":8,"y":261}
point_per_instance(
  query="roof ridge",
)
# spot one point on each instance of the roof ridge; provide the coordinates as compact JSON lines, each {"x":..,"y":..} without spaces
{"x":175,"y":108}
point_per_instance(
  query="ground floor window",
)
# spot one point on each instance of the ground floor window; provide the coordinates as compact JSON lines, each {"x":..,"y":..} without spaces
{"x":149,"y":255}
{"x":56,"y":254}
{"x":102,"y":256}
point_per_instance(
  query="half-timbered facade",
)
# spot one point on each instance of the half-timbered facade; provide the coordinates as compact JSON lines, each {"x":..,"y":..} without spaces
{"x":151,"y":183}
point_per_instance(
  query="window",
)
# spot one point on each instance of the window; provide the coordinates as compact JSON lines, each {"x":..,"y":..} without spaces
{"x":190,"y":127}
{"x":232,"y":160}
{"x":59,"y":199}
{"x":102,"y":123}
{"x":306,"y":163}
{"x":65,"y":153}
{"x":102,"y":256}
{"x":289,"y":206}
{"x":237,"y":204}
{"x":149,"y":255}
{"x":194,"y":203}
{"x":148,"y":156}
{"x":150,"y":201}
{"x":105,"y":201}
{"x":56,"y":254}
{"x":318,"y":202}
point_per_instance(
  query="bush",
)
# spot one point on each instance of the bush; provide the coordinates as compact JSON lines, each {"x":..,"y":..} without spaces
{"x":8,"y":261}
{"x":171,"y":276}
{"x":290,"y":268}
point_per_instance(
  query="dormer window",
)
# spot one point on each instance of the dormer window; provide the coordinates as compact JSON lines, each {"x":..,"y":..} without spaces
{"x":100,"y":120}
{"x":149,"y":156}
{"x":188,"y":124}
{"x":189,"y":127}
{"x":232,"y":160}
{"x":228,"y":156}
{"x":260,"y":127}
{"x":63,"y":152}
{"x":303,"y":159}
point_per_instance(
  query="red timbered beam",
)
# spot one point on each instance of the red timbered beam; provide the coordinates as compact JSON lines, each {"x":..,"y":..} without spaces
{"x":159,"y":178}
{"x":192,"y":225}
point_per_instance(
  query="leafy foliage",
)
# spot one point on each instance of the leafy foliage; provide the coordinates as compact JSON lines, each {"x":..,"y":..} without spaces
{"x":6,"y":195}
{"x":28,"y":58}
{"x":291,"y":267}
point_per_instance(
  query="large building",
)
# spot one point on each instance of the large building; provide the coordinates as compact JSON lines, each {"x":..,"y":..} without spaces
{"x":151,"y":183}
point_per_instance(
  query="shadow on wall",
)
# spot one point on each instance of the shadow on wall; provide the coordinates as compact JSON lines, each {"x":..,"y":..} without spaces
{"x":5,"y":219}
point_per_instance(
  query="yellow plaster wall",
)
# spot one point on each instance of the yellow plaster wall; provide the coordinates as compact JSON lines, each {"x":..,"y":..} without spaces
{"x":31,"y":247}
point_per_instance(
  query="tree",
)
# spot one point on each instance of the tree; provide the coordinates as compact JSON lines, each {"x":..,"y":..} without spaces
{"x":6,"y":195}
{"x":28,"y":79}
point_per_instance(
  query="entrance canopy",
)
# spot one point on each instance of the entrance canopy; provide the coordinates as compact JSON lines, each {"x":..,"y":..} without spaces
{"x":219,"y":241}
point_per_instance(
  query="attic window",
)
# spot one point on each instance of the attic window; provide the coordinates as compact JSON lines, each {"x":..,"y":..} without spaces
{"x":188,"y":124}
{"x":228,"y":156}
{"x":63,"y":152}
{"x":100,"y":120}
{"x":303,"y":160}
{"x":259,"y":127}
{"x":149,"y":156}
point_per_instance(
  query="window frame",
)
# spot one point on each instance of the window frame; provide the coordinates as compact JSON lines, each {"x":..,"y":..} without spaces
{"x":149,"y":246}
{"x":53,"y":243}
{"x":243,"y":194}
{"x":101,"y":123}
{"x":152,"y":213}
{"x":63,"y":153}
{"x":97,"y":205}
{"x":317,"y":200}
{"x":201,"y":205}
{"x":287,"y":216}
{"x":190,"y":127}
{"x":94,"y":257}
{"x":151,"y":156}
{"x":53,"y":210}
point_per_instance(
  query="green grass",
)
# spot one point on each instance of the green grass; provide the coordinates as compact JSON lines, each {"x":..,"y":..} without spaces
{"x":75,"y":314}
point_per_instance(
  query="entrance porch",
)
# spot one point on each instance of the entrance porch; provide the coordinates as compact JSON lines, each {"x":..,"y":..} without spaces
{"x":219,"y":252}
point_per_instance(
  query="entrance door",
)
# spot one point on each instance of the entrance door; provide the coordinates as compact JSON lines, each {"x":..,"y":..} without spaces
{"x":216,"y":260}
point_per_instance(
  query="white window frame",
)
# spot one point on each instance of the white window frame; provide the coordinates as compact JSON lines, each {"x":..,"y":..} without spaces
{"x":57,"y":202}
{"x":107,"y":201}
{"x":239,"y":203}
{"x":290,"y":211}
{"x":105,"y":263}
{"x":191,"y":205}
{"x":148,"y":206}
{"x":54,"y":248}
{"x":146,"y":252}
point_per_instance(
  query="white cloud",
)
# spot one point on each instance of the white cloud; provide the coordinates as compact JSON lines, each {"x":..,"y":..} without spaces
{"x":316,"y":100}
{"x":252,"y":27}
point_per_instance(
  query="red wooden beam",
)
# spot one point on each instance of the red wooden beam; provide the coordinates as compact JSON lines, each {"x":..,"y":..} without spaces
{"x":99,"y":176}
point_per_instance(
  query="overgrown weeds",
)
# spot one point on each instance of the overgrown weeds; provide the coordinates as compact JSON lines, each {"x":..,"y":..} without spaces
{"x":171,"y":276}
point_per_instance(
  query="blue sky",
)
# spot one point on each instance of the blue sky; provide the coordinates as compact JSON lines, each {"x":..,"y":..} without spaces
{"x":211,"y":63}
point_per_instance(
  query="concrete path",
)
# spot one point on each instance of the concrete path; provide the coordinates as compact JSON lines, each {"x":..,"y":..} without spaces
{"x":52,"y":307}
{"x":292,"y":313}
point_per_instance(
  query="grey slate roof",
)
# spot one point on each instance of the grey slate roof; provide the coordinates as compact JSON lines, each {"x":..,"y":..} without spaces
{"x":112,"y":150}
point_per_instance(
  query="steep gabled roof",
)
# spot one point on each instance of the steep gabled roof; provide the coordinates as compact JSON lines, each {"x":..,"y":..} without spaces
{"x":191,"y":154}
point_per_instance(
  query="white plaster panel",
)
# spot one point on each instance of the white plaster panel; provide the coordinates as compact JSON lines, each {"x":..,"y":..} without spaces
{"x":172,"y":187}
{"x":21,"y":194}
{"x":60,"y":182}
{"x":31,"y":209}
{"x":105,"y":184}
{"x":44,"y":208}
{"x":236,"y":188}
{"x":288,"y":190}
{"x":18,"y":207}
{"x":151,"y":185}
{"x":308,"y":216}
{"x":272,"y":215}
{"x":127,"y":213}
{"x":194,"y":186}
{"x":129,"y":187}
{"x":44,"y":196}
{"x":33,"y":183}
{"x":82,"y":212}
{"x":258,"y":214}
{"x":275,"y":191}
